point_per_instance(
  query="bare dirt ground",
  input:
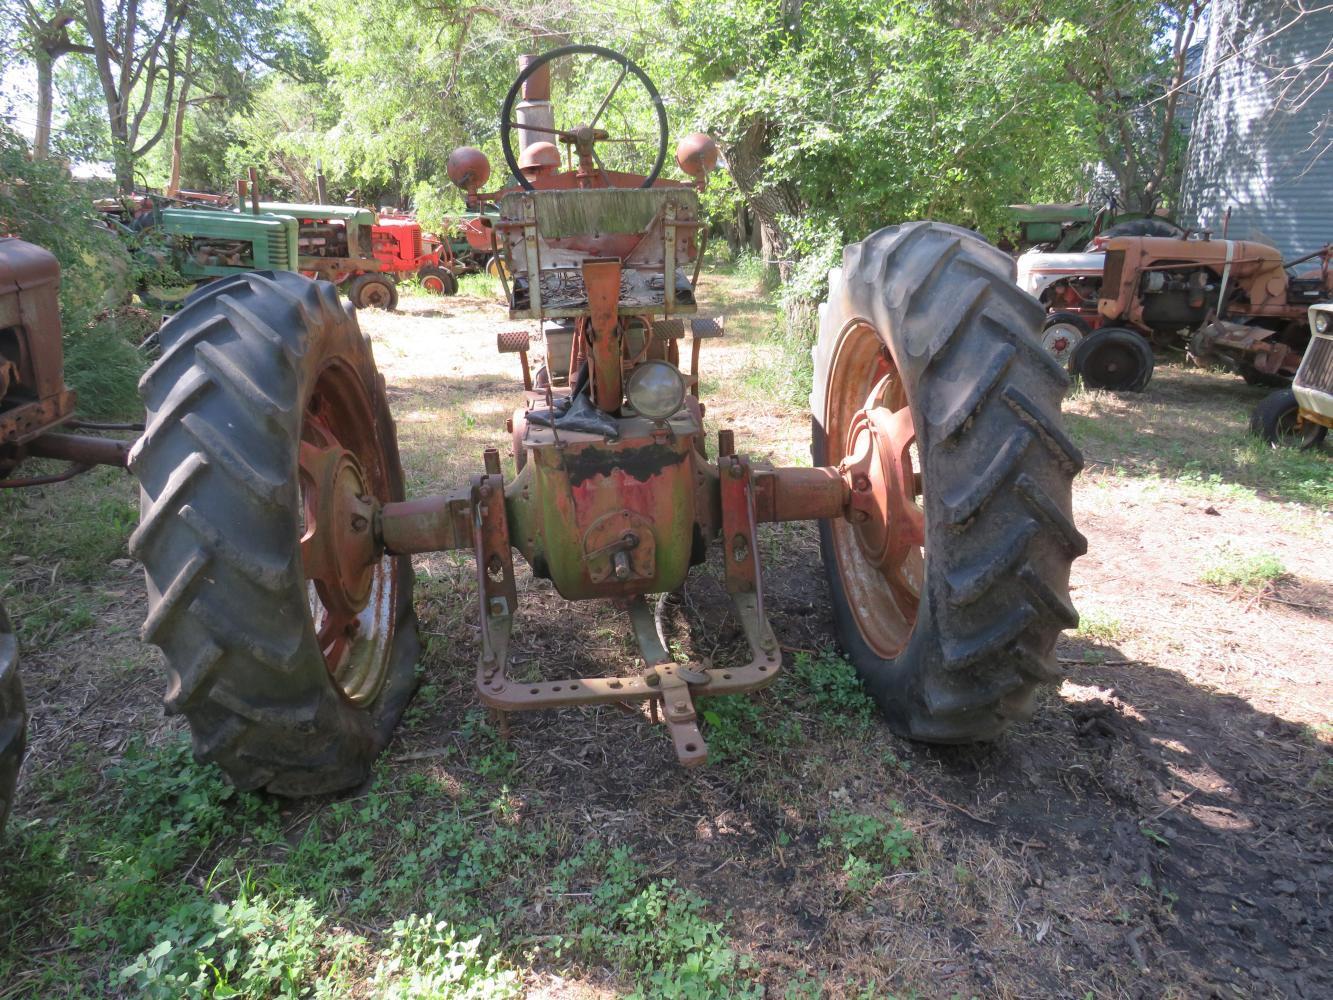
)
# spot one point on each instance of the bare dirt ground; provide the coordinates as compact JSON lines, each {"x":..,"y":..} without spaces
{"x":1162,"y":827}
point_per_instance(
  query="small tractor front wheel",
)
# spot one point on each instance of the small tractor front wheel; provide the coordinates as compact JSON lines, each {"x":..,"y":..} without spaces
{"x":13,"y":717}
{"x":950,"y":579}
{"x":1114,"y":358}
{"x":373,"y":291}
{"x":1277,"y":420}
{"x":290,"y":642}
{"x":438,"y":280}
{"x":1061,"y":332}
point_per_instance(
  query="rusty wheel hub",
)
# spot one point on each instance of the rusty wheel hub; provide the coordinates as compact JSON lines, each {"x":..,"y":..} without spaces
{"x":350,"y":581}
{"x":887,"y":522}
{"x":879,"y":545}
{"x":338,"y":546}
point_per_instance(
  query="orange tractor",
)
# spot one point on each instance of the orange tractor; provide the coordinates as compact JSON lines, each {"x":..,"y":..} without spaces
{"x":1237,"y":304}
{"x":36,"y":417}
{"x":277,"y":539}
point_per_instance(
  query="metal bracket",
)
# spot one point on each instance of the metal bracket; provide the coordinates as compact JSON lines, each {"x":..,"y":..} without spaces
{"x":664,"y":683}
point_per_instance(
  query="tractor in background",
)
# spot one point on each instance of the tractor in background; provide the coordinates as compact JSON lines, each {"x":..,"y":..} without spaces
{"x":404,"y":250}
{"x":1300,"y":415}
{"x":37,"y":413}
{"x":1235,"y":303}
{"x":277,"y":539}
{"x":337,"y":243}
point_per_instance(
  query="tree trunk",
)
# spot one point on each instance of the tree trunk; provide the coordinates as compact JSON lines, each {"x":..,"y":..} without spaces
{"x":41,"y":139}
{"x":770,"y":202}
{"x":178,"y":131}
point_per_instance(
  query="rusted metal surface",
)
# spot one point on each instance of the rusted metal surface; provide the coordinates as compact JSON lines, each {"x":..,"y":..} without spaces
{"x":799,"y":494}
{"x":1215,"y":287}
{"x":496,"y":589}
{"x":601,"y":279}
{"x":878,"y":546}
{"x":430,"y":524}
{"x":1259,"y":345}
{"x":607,"y":519}
{"x":82,"y":449}
{"x":35,"y":398}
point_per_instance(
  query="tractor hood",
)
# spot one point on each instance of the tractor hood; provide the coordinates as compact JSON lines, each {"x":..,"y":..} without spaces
{"x":24,"y":266}
{"x":1037,"y":270}
{"x":346,"y":213}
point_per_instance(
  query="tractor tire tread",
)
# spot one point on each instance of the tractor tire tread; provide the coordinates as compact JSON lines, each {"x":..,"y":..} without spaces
{"x":13,"y":717}
{"x":998,"y":471}
{"x":228,"y":603}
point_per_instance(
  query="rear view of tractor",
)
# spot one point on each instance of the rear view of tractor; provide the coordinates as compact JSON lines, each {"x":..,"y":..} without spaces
{"x":277,"y":540}
{"x":35,"y":407}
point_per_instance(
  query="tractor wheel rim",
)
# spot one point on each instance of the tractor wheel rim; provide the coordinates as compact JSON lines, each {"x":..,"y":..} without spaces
{"x":343,"y":472}
{"x":1060,"y":339}
{"x":880,"y":549}
{"x":375,"y":294}
{"x":433,"y":284}
{"x":1112,"y":365}
{"x":1293,"y":432}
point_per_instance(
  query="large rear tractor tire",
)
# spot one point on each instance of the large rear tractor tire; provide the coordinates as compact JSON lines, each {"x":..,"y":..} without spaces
{"x":290,"y":643}
{"x":13,"y":717}
{"x":950,"y":581}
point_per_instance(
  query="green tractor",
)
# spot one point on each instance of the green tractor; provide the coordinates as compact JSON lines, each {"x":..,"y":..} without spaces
{"x":332,"y":242}
{"x":335,"y":243}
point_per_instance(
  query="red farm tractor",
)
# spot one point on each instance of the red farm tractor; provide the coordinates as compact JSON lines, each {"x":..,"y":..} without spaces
{"x":277,"y":540}
{"x":405,"y":251}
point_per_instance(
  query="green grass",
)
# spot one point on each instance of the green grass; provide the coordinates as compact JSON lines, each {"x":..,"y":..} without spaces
{"x":1228,"y":567}
{"x":188,"y":888}
{"x":480,"y":286}
{"x":103,"y":366}
{"x":1098,"y":626}
{"x":869,"y":847}
{"x":1189,"y":432}
{"x":742,"y":730}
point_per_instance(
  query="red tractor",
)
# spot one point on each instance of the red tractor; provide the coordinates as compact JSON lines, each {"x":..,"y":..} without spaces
{"x":277,"y":540}
{"x":402,"y":248}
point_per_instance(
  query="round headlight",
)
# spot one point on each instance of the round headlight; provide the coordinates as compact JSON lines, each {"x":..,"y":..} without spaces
{"x":1321,"y":322}
{"x":656,"y":389}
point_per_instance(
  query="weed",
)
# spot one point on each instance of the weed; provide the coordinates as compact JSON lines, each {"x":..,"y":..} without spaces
{"x":784,"y":372}
{"x":1230,"y":568}
{"x":493,"y":756}
{"x":1154,"y":836}
{"x":1099,"y":626}
{"x":835,"y":691}
{"x":869,"y":846}
{"x":479,"y":286}
{"x":103,"y":366}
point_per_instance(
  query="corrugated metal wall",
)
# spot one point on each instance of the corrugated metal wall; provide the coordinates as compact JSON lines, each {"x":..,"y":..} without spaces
{"x":1250,"y":151}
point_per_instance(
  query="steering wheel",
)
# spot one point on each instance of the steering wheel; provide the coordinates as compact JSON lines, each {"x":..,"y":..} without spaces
{"x":583,"y":137}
